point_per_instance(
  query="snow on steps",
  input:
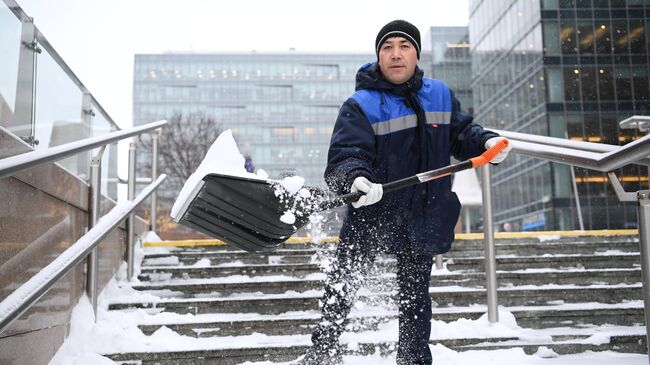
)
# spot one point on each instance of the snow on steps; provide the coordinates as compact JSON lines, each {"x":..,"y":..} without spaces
{"x":562,"y":292}
{"x":282,"y":284}
{"x":510,"y":263}
{"x":232,"y":356}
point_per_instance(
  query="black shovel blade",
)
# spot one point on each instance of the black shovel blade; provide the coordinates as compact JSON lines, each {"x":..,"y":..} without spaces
{"x":246,"y":213}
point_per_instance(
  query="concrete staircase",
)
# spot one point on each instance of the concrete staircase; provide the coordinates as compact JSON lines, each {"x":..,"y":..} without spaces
{"x":567,"y":294}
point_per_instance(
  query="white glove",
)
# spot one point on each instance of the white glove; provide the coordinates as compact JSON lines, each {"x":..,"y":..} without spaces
{"x":504,"y":152}
{"x":373,"y":192}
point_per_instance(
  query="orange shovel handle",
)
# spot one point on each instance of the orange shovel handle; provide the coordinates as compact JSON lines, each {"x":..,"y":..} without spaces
{"x":490,"y":154}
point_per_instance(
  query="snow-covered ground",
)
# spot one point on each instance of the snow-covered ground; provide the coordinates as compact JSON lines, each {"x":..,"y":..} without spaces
{"x":117,"y":331}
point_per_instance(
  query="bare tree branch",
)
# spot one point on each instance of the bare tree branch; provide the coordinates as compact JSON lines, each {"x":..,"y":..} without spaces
{"x":183,"y":145}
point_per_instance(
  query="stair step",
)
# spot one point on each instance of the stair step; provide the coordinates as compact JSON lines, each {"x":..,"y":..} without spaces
{"x":231,"y":356}
{"x":192,"y":288}
{"x":620,"y":261}
{"x":615,"y":260}
{"x":441,"y":297}
{"x":544,"y":317}
{"x":262,"y":306}
{"x":461,"y":248}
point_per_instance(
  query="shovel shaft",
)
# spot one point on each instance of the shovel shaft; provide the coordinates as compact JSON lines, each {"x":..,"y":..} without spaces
{"x":422,"y":177}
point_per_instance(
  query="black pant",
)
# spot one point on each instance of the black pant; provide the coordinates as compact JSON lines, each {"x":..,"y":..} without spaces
{"x":346,"y":277}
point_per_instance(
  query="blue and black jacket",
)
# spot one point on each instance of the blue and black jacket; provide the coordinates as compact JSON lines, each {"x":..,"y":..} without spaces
{"x":387,"y":132}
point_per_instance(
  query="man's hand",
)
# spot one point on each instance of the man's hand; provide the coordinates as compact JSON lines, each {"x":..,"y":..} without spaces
{"x":503,"y":154}
{"x":373,"y":192}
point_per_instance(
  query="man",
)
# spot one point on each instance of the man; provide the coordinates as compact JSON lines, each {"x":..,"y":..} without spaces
{"x":397,"y":124}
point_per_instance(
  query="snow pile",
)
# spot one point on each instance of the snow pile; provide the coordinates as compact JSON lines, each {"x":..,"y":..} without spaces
{"x":546,"y":238}
{"x":223,"y":157}
{"x":150,"y":236}
{"x":204,"y":262}
{"x":291,"y":191}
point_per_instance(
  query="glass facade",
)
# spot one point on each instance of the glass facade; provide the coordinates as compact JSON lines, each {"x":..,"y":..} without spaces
{"x":281,"y":107}
{"x":568,"y":69}
{"x":451,"y":61}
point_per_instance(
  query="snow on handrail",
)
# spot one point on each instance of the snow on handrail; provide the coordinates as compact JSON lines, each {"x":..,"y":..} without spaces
{"x":11,"y":165}
{"x":18,"y":302}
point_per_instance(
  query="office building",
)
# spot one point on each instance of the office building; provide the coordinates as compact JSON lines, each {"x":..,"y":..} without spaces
{"x":567,"y":69}
{"x":451,"y":61}
{"x":281,"y":107}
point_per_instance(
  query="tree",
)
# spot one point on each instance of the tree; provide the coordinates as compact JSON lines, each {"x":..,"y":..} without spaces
{"x":181,"y":147}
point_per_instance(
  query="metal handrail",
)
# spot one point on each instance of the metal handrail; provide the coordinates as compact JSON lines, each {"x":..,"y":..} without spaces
{"x":11,"y":165}
{"x":605,"y":158}
{"x":33,"y":43}
{"x":595,"y":156}
{"x":559,"y":142}
{"x":31,"y":291}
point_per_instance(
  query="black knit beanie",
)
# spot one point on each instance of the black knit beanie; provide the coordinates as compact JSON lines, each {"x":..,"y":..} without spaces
{"x":399,"y":28}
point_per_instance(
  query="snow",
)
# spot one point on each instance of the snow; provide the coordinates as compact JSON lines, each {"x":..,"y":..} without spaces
{"x":443,"y":355}
{"x":545,"y":238}
{"x":150,"y":236}
{"x":293,"y":184}
{"x":288,"y":217}
{"x":170,"y":260}
{"x":29,"y":290}
{"x":223,"y":157}
{"x":117,"y":331}
{"x":204,"y":262}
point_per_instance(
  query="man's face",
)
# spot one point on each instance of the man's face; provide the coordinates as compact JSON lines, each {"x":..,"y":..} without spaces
{"x":397,"y":60}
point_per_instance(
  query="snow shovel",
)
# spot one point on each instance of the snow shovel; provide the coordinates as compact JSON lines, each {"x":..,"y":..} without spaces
{"x":256,"y":215}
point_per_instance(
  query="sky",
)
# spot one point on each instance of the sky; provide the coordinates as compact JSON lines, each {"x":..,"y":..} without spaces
{"x":98,"y":39}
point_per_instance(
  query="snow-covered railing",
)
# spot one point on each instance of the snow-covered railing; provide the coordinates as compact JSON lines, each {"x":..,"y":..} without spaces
{"x":11,"y":165}
{"x":14,"y":164}
{"x":31,"y":291}
{"x":594,"y":156}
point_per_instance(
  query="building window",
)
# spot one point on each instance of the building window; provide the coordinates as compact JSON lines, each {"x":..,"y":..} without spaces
{"x":572,"y":83}
{"x":586,"y":37}
{"x":589,"y":84}
{"x":605,"y":83}
{"x":603,"y":38}
{"x":619,"y":30}
{"x":567,"y":4}
{"x":637,"y":37}
{"x":551,"y":38}
{"x":283,"y":134}
{"x":550,"y":4}
{"x":568,"y":37}
{"x":623,"y":83}
{"x":640,"y":81}
{"x":555,"y":85}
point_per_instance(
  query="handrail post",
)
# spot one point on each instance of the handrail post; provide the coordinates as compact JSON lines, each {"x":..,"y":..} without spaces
{"x":130,"y":250}
{"x":24,"y":297}
{"x":92,"y":261}
{"x":24,"y":108}
{"x":154,"y":175}
{"x":490,"y":260}
{"x":644,"y":241}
